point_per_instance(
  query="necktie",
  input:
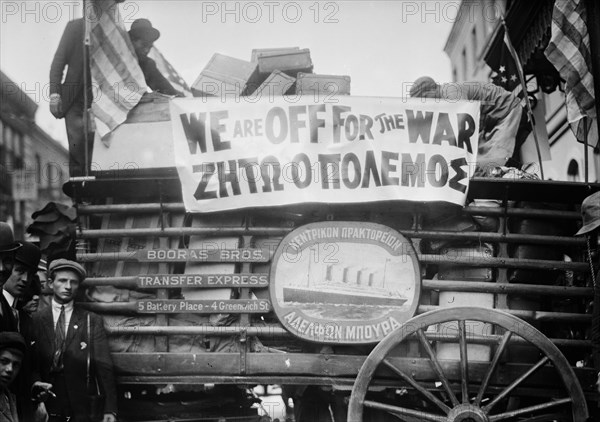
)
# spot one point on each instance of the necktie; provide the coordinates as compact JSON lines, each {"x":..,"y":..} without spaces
{"x":59,"y":341}
{"x":16,"y":315}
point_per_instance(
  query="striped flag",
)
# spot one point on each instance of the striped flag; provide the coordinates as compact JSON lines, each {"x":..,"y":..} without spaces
{"x":117,"y":78}
{"x":569,"y":52}
{"x":169,"y":72}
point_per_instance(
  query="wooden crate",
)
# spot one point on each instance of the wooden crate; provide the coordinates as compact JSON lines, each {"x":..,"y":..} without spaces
{"x":278,"y":83}
{"x":310,"y":83}
{"x":291,"y":62}
{"x":224,"y":74}
{"x":271,"y":51}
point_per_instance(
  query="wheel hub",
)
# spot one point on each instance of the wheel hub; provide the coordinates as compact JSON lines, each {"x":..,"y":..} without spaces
{"x":467,"y":413}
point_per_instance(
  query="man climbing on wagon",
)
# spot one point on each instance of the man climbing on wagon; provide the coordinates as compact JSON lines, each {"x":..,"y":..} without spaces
{"x":500,"y":118}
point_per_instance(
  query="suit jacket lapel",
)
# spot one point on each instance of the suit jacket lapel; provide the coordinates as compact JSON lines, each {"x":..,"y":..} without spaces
{"x":76,"y":325}
{"x":7,"y":313}
{"x":47,"y":325}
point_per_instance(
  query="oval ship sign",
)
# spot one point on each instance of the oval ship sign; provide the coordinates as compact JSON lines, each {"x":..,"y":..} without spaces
{"x":344,"y":282}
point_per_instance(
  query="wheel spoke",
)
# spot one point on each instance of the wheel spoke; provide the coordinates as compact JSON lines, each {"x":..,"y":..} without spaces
{"x":402,"y":411}
{"x":464,"y":371}
{"x":515,"y":383}
{"x":493,"y":365}
{"x":437,"y":367}
{"x":543,"y":406}
{"x":417,"y":386}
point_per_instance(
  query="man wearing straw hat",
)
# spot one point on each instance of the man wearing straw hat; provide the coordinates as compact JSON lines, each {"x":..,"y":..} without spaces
{"x":590,"y":212}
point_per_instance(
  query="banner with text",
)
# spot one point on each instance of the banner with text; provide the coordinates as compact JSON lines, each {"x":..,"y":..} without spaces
{"x":357,"y":149}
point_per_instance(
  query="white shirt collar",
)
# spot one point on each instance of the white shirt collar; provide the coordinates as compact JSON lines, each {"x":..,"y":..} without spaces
{"x":56,"y":306}
{"x":9,"y":298}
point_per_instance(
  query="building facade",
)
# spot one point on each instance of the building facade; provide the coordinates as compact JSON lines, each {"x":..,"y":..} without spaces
{"x":33,"y":166}
{"x":475,"y":38}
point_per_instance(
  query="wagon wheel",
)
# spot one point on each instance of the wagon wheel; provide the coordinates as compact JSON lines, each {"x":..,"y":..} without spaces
{"x":464,"y":401}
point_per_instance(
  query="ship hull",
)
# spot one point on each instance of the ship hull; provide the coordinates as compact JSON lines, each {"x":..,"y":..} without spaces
{"x":291,"y":294}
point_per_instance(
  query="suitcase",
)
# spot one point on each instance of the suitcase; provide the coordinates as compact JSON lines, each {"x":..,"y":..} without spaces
{"x":291,"y":62}
{"x":454,"y":223}
{"x":278,"y":83}
{"x":224,"y":74}
{"x":463,"y":272}
{"x":271,"y":51}
{"x":309,"y":83}
{"x":540,"y":226}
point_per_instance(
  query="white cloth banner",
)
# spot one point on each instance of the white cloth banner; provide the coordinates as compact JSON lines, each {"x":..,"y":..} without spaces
{"x":232,"y":155}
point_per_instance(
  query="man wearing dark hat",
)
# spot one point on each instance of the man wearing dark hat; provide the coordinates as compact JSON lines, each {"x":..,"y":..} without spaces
{"x":66,"y":337}
{"x":27,"y":258}
{"x":12,"y":351}
{"x":499,"y":121}
{"x":8,"y":246}
{"x":590,"y":212}
{"x":143,"y":35}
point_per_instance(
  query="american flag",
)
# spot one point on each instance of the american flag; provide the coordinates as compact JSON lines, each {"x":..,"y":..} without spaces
{"x":506,"y":65}
{"x":169,"y":72}
{"x":117,"y":78}
{"x":569,"y":52}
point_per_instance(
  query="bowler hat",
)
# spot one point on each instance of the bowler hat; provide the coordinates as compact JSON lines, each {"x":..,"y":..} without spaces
{"x":590,"y":213}
{"x":13,"y":341}
{"x":7,"y":239}
{"x":143,"y":29}
{"x":66,"y":264}
{"x":28,"y":254}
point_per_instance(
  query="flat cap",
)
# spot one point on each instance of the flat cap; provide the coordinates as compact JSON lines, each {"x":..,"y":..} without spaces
{"x":12,"y":340}
{"x":66,"y":264}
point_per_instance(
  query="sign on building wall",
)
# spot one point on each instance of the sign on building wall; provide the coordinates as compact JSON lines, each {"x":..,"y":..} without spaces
{"x":349,"y":149}
{"x":25,"y":187}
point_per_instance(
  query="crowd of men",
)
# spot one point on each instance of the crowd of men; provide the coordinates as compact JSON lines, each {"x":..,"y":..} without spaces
{"x":54,"y":357}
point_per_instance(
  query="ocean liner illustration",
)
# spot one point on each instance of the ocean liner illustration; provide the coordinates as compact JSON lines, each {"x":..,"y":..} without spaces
{"x":346,"y":284}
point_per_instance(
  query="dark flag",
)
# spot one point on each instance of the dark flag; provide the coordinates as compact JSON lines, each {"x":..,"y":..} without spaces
{"x":505,"y":67}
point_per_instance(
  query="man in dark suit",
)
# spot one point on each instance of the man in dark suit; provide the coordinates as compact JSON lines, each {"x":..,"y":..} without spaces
{"x":143,"y":35}
{"x":26,"y":260}
{"x":67,"y":99}
{"x":63,"y":343}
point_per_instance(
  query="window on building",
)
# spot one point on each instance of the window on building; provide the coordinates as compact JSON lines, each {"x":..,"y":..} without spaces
{"x":573,"y":171}
{"x":491,"y":12}
{"x":465,"y":70}
{"x":474,"y":43}
{"x":38,"y":169}
{"x":454,"y":75}
{"x":19,"y":150}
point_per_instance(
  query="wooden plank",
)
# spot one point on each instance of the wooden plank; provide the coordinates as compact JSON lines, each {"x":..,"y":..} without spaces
{"x":174,"y":306}
{"x":290,"y":364}
{"x":212,"y":280}
{"x":505,"y":288}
